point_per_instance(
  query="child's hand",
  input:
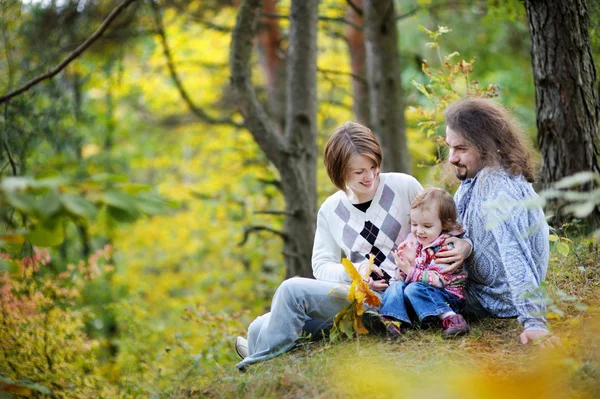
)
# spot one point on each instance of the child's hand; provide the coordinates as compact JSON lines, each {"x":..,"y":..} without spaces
{"x":401,"y":262}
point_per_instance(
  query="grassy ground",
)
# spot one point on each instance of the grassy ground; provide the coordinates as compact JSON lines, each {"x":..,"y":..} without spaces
{"x":489,"y":363}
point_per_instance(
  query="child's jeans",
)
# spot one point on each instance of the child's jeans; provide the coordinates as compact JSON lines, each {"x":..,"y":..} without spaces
{"x":426,"y":300}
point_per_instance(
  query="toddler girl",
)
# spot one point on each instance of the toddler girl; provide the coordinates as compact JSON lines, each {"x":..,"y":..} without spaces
{"x":423,"y":285}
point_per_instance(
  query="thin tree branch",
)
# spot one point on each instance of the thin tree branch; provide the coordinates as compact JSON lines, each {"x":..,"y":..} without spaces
{"x":276,"y":183}
{"x":408,"y":14}
{"x":256,"y":229}
{"x":321,"y":18}
{"x":218,"y":28}
{"x":278,"y":213}
{"x":5,"y":143}
{"x":342,"y":73}
{"x":356,"y":9}
{"x":199,"y":112}
{"x":76,"y":53}
{"x":431,"y":7}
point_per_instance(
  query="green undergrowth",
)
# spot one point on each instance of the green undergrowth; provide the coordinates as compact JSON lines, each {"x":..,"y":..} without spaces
{"x":488,"y":363}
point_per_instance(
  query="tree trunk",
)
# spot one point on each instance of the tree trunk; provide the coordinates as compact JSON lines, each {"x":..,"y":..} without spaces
{"x":293,"y":154}
{"x":567,"y":104}
{"x":385,"y":84}
{"x":272,"y":63}
{"x":358,"y":63}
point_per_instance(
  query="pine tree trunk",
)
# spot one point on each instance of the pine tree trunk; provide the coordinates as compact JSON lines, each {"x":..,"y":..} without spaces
{"x":358,"y":64}
{"x":385,"y":84}
{"x":272,"y":63}
{"x":567,"y":103}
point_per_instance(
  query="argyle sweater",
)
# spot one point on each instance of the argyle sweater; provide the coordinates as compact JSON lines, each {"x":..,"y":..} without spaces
{"x":343,"y":229}
{"x":510,"y":245}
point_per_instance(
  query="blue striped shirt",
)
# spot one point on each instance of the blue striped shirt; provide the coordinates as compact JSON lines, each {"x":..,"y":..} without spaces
{"x":510,"y":245}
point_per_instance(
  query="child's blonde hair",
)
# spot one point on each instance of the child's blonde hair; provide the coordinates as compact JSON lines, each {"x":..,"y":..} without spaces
{"x":444,"y":203}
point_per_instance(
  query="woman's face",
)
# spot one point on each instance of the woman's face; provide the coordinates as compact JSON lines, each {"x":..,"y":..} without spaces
{"x":362,"y":177}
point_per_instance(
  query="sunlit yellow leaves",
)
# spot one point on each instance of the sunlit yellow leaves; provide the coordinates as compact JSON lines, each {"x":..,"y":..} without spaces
{"x":349,"y":319}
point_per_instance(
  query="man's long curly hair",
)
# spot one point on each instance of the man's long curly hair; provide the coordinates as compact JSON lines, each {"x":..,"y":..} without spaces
{"x":496,"y":135}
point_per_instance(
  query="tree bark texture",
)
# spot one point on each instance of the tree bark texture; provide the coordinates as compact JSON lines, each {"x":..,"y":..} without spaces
{"x":385,"y":84}
{"x":567,"y":104}
{"x":270,"y":57}
{"x":294,"y":153}
{"x":358,"y":63}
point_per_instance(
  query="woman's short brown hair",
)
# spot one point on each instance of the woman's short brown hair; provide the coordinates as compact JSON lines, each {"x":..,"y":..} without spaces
{"x":446,"y":208}
{"x":348,"y":140}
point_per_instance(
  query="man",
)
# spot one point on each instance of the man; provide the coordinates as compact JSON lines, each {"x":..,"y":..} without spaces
{"x":491,"y":156}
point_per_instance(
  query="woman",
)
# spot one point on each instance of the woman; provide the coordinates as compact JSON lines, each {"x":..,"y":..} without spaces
{"x":369,"y":215}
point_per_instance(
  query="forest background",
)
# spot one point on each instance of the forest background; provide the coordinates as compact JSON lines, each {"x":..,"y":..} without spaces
{"x":147,"y":221}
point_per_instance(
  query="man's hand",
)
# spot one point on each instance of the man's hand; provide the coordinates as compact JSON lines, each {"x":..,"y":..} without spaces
{"x":453,"y":257}
{"x":542,"y":338}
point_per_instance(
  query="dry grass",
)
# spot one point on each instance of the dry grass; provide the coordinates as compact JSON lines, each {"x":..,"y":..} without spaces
{"x":489,"y":363}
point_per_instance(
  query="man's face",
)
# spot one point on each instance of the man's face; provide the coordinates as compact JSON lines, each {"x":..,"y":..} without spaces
{"x":463,"y":155}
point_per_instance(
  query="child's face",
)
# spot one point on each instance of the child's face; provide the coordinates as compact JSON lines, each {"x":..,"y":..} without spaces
{"x":425,"y":224}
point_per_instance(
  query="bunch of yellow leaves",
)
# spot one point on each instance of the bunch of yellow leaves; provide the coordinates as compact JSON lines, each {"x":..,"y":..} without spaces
{"x":349,"y":320}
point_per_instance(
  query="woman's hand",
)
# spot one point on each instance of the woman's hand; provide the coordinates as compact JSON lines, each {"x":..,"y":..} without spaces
{"x":453,"y":257}
{"x":377,"y":285}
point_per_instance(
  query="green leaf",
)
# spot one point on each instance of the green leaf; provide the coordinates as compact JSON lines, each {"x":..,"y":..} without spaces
{"x":581,"y":307}
{"x":43,"y":236}
{"x":346,"y":326}
{"x":576,"y":179}
{"x":135,"y":188}
{"x":109,"y":177}
{"x":12,"y":238}
{"x":553,"y":238}
{"x":120,"y":200}
{"x":150,"y":204}
{"x":49,"y":182}
{"x":421,"y":88}
{"x":4,"y":265}
{"x":78,"y":206}
{"x":22,"y":201}
{"x":581,"y":210}
{"x":48,"y":205}
{"x":563,"y":248}
{"x":11,"y":184}
{"x":121,"y":215}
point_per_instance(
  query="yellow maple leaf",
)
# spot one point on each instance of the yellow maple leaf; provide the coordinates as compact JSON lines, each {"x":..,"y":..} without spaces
{"x":358,"y":293}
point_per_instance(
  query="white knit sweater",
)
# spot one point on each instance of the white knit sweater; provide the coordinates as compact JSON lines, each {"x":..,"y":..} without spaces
{"x":379,"y":230}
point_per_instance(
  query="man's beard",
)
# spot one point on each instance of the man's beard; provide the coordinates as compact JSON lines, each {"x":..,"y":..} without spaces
{"x":460,"y":176}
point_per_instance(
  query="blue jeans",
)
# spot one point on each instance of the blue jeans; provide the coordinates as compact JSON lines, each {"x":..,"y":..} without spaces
{"x":426,"y":300}
{"x":300,"y":305}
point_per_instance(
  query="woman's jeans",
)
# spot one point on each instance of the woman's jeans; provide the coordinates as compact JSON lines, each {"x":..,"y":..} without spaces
{"x":424,"y":299}
{"x":299,"y":305}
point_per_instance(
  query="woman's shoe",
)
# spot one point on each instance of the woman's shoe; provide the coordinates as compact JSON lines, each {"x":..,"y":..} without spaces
{"x":241,"y":347}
